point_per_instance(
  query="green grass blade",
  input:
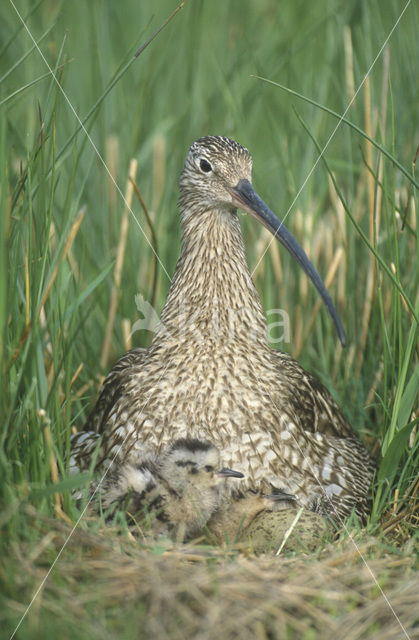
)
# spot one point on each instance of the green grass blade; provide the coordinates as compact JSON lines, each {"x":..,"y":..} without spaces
{"x":353,"y":126}
{"x":358,"y":228}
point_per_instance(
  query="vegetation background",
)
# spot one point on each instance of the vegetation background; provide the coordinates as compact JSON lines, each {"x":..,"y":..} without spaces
{"x":73,"y":258}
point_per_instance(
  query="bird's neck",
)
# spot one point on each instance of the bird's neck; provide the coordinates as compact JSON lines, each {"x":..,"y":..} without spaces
{"x":212,"y":296}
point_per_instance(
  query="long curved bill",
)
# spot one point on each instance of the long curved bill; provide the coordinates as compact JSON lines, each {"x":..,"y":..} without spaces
{"x":246,"y":198}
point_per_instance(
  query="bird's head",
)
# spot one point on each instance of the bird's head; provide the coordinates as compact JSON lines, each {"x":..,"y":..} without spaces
{"x":213,"y":166}
{"x":192,"y":468}
{"x":217,"y":177}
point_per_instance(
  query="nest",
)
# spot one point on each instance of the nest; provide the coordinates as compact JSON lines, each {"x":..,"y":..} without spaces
{"x":105,"y":585}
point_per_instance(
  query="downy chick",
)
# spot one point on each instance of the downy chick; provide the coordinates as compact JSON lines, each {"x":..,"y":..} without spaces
{"x":177,"y":491}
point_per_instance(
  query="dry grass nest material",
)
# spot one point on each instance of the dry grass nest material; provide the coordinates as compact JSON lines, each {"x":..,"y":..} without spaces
{"x":185,"y":591}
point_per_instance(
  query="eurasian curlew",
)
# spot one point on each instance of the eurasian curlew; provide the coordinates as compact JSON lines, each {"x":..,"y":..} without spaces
{"x":210,"y":372}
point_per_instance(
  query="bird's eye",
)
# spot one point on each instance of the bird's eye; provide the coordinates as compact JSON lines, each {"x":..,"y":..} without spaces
{"x":209,"y":468}
{"x":205,"y":165}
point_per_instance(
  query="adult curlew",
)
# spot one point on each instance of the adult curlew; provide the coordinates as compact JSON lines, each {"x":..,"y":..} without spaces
{"x":210,"y":372}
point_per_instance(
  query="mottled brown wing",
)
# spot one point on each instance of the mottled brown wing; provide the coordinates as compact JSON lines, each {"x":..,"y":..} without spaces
{"x":312,"y":402}
{"x":84,"y":442}
{"x":112,"y":389}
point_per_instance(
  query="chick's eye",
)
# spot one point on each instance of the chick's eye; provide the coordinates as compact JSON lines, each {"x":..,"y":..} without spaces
{"x":209,"y":468}
{"x":205,"y":165}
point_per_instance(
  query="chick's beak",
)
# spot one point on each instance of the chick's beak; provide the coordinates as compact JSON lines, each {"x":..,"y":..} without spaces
{"x":279,"y":496}
{"x":229,"y":473}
